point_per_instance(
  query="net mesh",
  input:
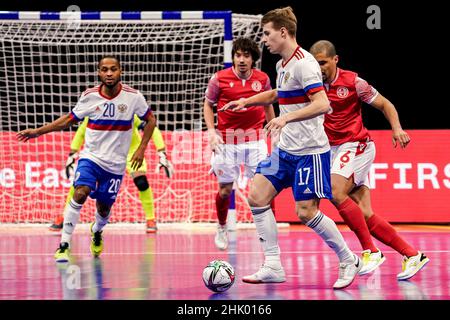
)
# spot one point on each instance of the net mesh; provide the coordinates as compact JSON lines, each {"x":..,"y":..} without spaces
{"x":44,"y":67}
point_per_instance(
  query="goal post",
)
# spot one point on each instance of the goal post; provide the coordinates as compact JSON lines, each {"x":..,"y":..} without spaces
{"x":48,"y":59}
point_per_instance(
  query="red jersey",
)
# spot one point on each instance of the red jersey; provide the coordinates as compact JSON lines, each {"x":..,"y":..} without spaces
{"x":225,"y":86}
{"x":344,"y":123}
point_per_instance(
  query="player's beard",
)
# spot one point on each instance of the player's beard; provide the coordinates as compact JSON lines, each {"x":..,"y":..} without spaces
{"x":110,"y":85}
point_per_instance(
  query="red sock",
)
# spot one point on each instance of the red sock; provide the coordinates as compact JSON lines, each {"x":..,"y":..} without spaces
{"x":222,"y":206}
{"x":383,"y":231}
{"x":354,"y":218}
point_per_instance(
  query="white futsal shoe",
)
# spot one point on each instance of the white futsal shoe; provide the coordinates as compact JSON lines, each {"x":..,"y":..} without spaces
{"x":412,"y":265}
{"x":266,"y":274}
{"x":371,"y":261}
{"x":347,"y":273}
{"x":221,"y":238}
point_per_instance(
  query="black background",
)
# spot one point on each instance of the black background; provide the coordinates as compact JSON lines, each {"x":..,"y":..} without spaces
{"x":406,"y":60}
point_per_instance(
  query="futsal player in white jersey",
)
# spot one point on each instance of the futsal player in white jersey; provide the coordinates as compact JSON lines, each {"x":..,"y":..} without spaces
{"x":110,"y":107}
{"x":302,"y":159}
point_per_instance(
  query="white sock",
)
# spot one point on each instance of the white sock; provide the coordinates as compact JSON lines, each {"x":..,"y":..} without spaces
{"x":266,"y":228}
{"x":328,"y":231}
{"x":71,"y":216}
{"x":100,"y":222}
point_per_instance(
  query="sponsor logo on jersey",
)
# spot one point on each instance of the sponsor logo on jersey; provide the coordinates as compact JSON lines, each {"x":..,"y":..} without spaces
{"x":122,"y":108}
{"x":231,"y":84}
{"x":256,"y":86}
{"x":98,"y":109}
{"x":342,"y":92}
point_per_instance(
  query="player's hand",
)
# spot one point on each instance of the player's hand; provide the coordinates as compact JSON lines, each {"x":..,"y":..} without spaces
{"x":164,"y":163}
{"x":275,"y":125}
{"x":138,"y":158}
{"x":235,"y":105}
{"x":215,"y":140}
{"x":70,"y":164}
{"x":27,"y":134}
{"x":400,"y":137}
{"x":274,"y":139}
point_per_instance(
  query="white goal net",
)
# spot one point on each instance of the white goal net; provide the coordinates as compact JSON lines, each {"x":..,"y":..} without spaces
{"x":45,"y":64}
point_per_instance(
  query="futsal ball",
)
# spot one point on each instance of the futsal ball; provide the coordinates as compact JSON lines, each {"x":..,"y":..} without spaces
{"x":218,"y":276}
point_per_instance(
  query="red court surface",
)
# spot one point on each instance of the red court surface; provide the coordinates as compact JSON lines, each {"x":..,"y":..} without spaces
{"x":168,"y":266}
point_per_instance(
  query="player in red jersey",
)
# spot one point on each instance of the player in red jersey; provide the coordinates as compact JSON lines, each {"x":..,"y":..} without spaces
{"x":239,"y":138}
{"x":353,"y":152}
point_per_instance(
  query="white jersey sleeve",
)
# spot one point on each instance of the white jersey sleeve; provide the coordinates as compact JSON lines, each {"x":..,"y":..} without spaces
{"x":84,"y":107}
{"x":309,"y":75}
{"x":142,"y":110}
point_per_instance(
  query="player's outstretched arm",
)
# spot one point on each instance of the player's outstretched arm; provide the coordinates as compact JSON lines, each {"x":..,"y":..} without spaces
{"x":59,"y":124}
{"x":319,"y":105}
{"x":261,"y":99}
{"x":139,"y":154}
{"x":390,"y":113}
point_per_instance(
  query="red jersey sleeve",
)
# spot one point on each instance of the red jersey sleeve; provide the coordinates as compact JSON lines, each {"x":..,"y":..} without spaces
{"x":267,"y":87}
{"x":366,"y":93}
{"x":213,"y":90}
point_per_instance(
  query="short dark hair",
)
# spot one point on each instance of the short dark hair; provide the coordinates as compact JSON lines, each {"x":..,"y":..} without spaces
{"x":323,"y":46}
{"x":246,"y":45}
{"x":108,"y":57}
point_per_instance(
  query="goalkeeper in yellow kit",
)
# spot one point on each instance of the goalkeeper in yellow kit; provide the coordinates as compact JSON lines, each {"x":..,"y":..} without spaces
{"x":138,"y":175}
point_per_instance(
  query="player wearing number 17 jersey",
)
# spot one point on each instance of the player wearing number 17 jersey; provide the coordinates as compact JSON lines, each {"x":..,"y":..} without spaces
{"x":302,"y":159}
{"x":110,"y":108}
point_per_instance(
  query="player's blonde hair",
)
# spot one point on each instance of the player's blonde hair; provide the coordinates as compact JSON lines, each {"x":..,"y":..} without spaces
{"x":282,"y":17}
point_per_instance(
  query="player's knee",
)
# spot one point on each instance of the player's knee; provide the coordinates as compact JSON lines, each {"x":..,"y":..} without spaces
{"x":303,"y":216}
{"x":80,"y":194}
{"x":225,"y":191}
{"x":141,"y":183}
{"x":338,"y":196}
{"x":305,"y":212}
{"x":255,"y":200}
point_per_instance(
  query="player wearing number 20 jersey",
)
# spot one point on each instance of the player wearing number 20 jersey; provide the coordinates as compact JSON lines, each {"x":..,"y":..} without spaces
{"x":110,"y":124}
{"x":110,"y":108}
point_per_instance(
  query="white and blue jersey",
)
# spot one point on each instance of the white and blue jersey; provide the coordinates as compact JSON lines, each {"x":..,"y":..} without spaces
{"x":298,"y":78}
{"x":110,"y":124}
{"x":302,"y":159}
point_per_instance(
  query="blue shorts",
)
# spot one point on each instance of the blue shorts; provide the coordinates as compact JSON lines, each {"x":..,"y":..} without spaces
{"x":308,"y":175}
{"x":104,"y":185}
